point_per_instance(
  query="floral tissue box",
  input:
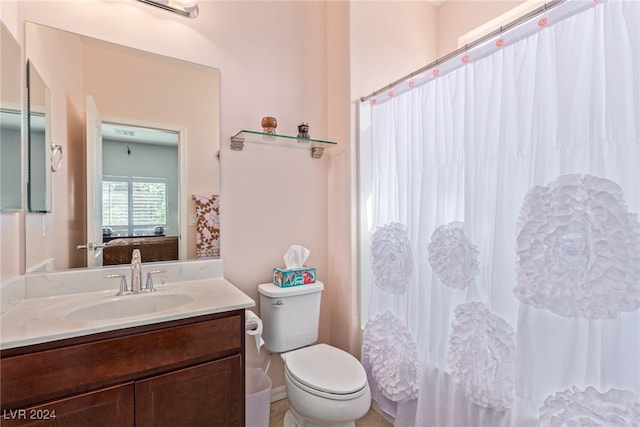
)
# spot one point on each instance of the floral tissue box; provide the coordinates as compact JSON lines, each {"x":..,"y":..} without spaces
{"x":293,"y":277}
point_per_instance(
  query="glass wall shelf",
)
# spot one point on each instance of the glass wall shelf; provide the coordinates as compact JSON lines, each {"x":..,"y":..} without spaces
{"x":317,"y":146}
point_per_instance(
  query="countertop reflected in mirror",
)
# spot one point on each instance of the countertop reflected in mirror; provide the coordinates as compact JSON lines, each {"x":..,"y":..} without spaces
{"x":132,"y":88}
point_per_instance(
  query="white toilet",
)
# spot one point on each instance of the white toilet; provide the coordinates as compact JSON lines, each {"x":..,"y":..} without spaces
{"x":325,"y":385}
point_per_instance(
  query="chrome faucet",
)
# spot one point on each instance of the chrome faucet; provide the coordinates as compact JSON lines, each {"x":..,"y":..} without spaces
{"x":136,"y":277}
{"x":136,"y":271}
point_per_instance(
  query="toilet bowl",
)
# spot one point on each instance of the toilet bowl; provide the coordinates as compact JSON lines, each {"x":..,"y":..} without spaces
{"x":325,"y":386}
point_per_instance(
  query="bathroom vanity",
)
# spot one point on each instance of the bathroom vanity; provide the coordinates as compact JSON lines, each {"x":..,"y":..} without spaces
{"x":187,"y":372}
{"x":180,"y":365}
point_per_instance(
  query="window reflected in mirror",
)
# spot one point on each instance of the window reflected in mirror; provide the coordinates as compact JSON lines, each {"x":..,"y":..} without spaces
{"x":139,"y":181}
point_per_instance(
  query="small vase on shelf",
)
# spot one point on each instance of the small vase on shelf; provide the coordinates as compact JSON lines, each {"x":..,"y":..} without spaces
{"x":303,"y":130}
{"x":269,"y":124}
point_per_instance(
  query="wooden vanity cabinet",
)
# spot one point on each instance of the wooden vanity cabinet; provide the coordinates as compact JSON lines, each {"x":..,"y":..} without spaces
{"x":176,"y":398}
{"x":110,"y":407}
{"x":187,"y":372}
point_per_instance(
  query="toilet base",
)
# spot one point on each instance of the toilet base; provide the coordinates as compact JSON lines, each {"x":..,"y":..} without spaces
{"x":293,"y":419}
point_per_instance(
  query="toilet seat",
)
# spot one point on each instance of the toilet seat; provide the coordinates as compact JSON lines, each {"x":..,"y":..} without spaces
{"x":326,"y":371}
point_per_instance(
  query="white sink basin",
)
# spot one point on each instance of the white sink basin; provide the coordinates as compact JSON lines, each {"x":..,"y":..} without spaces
{"x":128,"y":306}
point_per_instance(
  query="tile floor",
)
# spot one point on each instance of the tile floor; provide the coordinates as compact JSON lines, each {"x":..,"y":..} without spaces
{"x":279,"y":407}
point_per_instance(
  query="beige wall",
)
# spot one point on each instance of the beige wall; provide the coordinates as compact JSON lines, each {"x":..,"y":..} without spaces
{"x":389,"y":39}
{"x":458,"y":17}
{"x":10,"y":90}
{"x":11,"y":245}
{"x":298,"y":61}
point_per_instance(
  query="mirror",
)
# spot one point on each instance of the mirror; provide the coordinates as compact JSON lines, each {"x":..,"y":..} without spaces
{"x":38,"y":137}
{"x":104,"y":99}
{"x":10,"y":123}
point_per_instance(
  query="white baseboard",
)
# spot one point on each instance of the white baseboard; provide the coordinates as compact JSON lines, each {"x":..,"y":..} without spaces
{"x":278,"y":393}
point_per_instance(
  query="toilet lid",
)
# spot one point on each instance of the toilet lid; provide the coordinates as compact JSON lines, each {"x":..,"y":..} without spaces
{"x":327,"y":369}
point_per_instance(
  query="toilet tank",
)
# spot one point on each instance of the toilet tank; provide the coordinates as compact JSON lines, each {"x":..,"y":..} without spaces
{"x":290,"y":316}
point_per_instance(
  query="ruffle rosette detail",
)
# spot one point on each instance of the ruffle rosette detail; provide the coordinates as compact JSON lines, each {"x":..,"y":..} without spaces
{"x":390,"y":357}
{"x":452,"y":256}
{"x":391,"y":258}
{"x":482,"y":355}
{"x":574,"y":407}
{"x":578,"y":249}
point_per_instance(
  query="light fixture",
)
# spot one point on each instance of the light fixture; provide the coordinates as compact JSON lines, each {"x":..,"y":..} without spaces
{"x":188,"y":8}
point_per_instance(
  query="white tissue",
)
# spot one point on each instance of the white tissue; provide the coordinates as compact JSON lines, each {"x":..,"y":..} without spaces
{"x":296,"y":256}
{"x":253,"y":326}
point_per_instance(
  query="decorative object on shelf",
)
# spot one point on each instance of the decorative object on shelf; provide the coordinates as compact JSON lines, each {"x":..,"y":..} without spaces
{"x":269,"y":124}
{"x":303,"y":130}
{"x":317,"y":145}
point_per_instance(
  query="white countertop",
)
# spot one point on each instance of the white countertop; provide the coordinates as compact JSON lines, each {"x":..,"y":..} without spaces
{"x":42,"y":319}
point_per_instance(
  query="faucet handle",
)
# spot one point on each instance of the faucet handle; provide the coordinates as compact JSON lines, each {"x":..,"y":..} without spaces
{"x":149,"y":285}
{"x":124,"y":289}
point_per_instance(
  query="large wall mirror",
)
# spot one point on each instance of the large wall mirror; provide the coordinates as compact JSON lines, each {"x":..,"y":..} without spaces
{"x":10,"y":123}
{"x":140,"y":136}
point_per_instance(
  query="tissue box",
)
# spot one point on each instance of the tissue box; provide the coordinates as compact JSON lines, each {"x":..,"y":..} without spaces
{"x":293,"y":277}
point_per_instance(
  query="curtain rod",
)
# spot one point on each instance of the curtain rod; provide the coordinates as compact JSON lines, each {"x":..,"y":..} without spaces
{"x":467,"y":47}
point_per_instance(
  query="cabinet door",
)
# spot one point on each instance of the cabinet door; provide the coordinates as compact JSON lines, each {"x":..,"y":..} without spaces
{"x":211,"y":394}
{"x":111,"y":407}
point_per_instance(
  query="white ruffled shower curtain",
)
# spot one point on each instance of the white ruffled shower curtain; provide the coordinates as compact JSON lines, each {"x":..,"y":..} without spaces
{"x":505,"y":243}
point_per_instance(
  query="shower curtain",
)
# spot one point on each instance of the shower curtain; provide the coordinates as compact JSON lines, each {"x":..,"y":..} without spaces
{"x":505,"y":242}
